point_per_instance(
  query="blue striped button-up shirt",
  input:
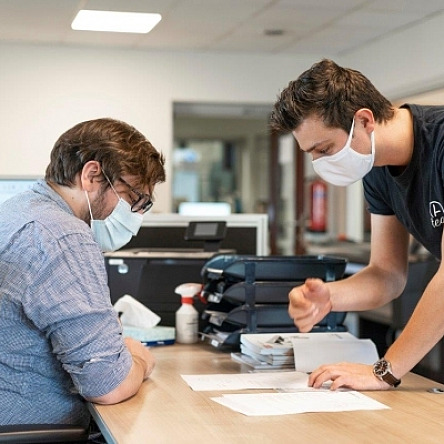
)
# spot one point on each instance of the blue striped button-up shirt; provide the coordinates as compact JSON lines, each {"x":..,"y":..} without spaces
{"x":60,"y":339}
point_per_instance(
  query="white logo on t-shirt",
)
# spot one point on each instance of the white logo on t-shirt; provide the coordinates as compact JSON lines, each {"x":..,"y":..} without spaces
{"x":436,"y":213}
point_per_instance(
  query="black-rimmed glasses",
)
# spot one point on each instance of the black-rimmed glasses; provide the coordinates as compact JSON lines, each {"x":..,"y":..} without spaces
{"x":143,"y":202}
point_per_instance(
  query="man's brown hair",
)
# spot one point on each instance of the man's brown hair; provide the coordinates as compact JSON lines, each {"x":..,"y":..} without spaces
{"x":119,"y":147}
{"x":330,"y":92}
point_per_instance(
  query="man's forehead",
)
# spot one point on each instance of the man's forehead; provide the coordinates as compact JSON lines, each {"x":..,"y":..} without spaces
{"x":311,"y":132}
{"x":315,"y":134}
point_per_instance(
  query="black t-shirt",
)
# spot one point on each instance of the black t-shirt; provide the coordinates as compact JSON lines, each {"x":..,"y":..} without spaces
{"x":416,"y":196}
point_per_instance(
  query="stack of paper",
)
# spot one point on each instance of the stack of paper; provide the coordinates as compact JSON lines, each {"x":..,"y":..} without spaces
{"x":266,"y":352}
{"x":303,"y":351}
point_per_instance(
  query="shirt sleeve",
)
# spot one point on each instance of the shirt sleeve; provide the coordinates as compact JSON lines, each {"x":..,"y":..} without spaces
{"x":376,"y":194}
{"x":70,"y":303}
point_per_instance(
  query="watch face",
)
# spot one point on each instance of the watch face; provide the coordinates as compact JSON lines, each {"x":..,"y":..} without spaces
{"x":383,"y":371}
{"x":381,"y":367}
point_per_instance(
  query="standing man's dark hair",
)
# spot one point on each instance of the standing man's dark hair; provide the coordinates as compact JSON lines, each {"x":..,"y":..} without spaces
{"x":330,"y":92}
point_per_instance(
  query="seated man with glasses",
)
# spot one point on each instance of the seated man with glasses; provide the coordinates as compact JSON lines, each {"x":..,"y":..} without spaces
{"x":61,"y":339}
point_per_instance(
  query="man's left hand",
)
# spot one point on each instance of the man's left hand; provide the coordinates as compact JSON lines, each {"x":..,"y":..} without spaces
{"x":348,"y":375}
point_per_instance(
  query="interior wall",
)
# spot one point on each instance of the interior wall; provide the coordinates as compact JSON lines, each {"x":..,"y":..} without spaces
{"x":45,"y":90}
{"x":405,"y":62}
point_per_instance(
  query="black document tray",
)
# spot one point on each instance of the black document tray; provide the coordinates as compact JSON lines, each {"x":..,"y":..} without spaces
{"x":250,"y":293}
{"x":231,"y":338}
{"x":274,"y":268}
{"x":266,"y":316}
{"x":265,"y":292}
{"x":274,"y":316}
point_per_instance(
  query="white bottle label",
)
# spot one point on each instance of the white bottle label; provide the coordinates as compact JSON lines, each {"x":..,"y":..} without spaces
{"x":186,"y":326}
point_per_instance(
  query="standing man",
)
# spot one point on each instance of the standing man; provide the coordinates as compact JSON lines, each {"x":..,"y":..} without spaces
{"x":61,"y":339}
{"x":352,"y":132}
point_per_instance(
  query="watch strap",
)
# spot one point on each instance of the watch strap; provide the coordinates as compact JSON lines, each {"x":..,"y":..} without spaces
{"x":390,"y":379}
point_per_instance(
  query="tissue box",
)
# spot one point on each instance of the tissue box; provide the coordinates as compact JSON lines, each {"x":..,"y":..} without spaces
{"x":158,"y":335}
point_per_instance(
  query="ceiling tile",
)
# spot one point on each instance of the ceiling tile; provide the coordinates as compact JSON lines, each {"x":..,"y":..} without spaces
{"x":320,"y":26}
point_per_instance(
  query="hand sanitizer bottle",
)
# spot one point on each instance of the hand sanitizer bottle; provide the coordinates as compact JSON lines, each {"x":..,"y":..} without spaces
{"x":187,"y":316}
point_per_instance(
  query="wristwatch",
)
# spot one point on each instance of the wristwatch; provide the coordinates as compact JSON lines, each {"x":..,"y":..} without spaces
{"x":382,"y":369}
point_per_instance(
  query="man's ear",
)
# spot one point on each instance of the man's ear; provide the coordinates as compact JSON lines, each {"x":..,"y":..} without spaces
{"x":364,"y":116}
{"x":90,"y":176}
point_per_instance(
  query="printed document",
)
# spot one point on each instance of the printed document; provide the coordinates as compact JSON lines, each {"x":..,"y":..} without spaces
{"x":271,"y":404}
{"x":309,"y":351}
{"x":244,"y":381}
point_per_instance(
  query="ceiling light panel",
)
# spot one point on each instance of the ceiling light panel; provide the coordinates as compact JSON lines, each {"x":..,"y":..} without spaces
{"x":114,"y":21}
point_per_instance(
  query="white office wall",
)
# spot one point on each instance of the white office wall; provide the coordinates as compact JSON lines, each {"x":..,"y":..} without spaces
{"x":44,"y":90}
{"x":404,"y":62}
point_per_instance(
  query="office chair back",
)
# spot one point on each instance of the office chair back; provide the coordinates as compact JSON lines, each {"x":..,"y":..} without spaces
{"x":42,"y":433}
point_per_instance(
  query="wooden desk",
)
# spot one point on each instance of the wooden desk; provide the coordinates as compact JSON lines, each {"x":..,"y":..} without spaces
{"x":166,"y":411}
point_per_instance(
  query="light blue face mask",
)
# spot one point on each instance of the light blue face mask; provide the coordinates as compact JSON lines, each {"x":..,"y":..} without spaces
{"x":117,"y":229}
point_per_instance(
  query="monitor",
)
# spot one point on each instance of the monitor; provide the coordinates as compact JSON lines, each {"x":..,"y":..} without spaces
{"x":10,"y":185}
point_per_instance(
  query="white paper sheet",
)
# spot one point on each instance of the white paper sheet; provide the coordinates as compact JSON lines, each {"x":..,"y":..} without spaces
{"x":271,"y":404}
{"x":242,"y":381}
{"x":309,"y":355}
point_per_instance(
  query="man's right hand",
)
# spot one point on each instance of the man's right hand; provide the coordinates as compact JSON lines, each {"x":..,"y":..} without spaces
{"x":141,"y":353}
{"x":309,"y":304}
{"x":142,"y":366}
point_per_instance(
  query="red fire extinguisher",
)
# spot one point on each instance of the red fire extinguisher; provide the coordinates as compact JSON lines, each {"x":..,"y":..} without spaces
{"x":318,"y":207}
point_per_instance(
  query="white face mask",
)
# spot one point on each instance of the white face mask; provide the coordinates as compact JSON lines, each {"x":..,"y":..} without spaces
{"x":117,"y":229}
{"x":346,"y":166}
